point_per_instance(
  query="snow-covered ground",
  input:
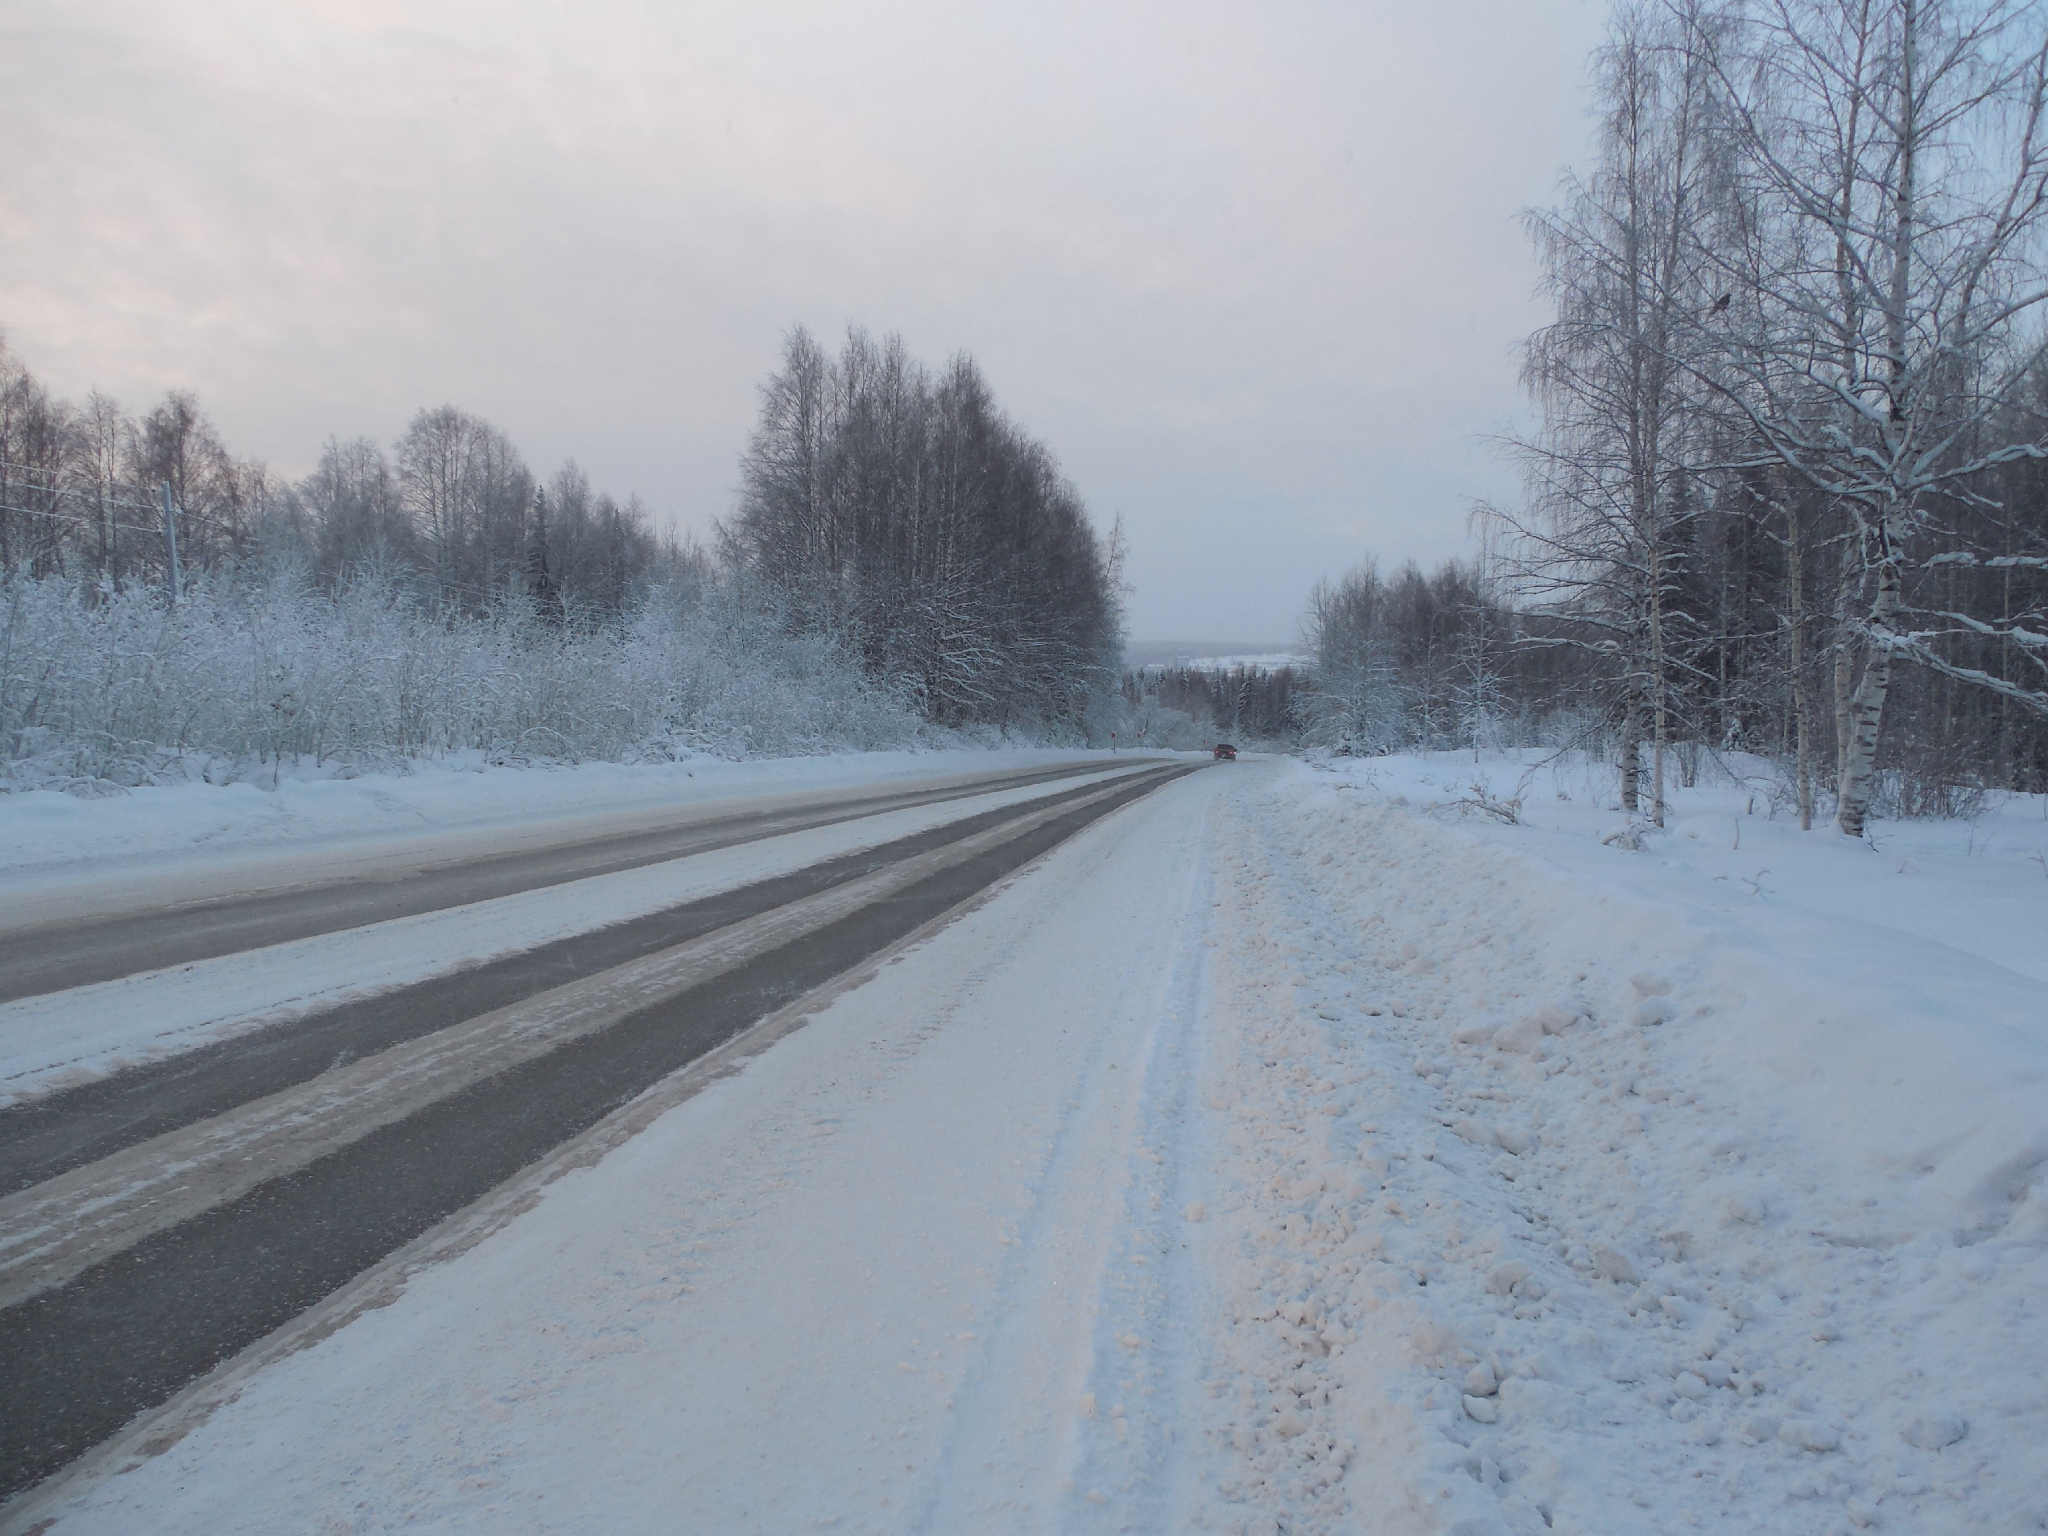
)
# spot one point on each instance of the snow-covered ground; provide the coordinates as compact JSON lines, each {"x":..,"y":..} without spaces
{"x":1696,"y":1187}
{"x":1293,"y":1150}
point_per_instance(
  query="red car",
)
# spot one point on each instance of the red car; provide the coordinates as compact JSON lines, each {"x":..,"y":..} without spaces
{"x":1225,"y":752}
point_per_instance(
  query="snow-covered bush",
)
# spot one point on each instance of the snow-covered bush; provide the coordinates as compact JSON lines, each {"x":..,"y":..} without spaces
{"x":119,"y":687}
{"x":1148,"y":723}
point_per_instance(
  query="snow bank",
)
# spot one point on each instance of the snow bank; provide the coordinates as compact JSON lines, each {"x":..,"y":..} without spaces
{"x":1590,"y":1191}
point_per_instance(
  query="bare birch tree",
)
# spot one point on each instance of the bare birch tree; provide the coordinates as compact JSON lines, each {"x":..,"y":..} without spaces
{"x":1894,"y":151}
{"x":1607,"y":474}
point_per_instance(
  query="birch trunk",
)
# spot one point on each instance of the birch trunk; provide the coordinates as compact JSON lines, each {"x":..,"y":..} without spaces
{"x":1844,"y":672}
{"x":1659,"y":715}
{"x":1866,"y":708}
{"x":1631,"y":757}
{"x":1802,"y":714}
{"x":1859,"y":762}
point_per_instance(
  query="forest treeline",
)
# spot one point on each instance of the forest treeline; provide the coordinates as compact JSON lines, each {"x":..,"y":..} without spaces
{"x":1789,"y":491}
{"x":904,"y":559}
{"x":901,"y":508}
{"x":1414,"y":660}
{"x":452,"y":514}
{"x":1189,"y":706}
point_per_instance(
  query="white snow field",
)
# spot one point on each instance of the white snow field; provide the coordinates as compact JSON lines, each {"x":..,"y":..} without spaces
{"x":1290,"y":1151}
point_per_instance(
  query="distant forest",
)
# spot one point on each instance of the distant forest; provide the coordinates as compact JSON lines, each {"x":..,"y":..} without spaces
{"x":1417,"y":660}
{"x":452,"y":513}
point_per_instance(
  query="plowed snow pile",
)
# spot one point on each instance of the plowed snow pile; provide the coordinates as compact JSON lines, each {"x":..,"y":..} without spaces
{"x":1606,"y":1218}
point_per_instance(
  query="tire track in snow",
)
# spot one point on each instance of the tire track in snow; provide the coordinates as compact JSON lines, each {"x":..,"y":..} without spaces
{"x":1063,"y":1421}
{"x":1137,"y":1449}
{"x":229,"y":1035}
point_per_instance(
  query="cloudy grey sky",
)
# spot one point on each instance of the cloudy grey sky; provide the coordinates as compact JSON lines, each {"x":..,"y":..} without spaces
{"x":1253,"y":271}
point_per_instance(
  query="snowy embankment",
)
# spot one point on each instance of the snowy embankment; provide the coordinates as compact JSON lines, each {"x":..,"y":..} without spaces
{"x":1697,"y":1186}
{"x":1290,"y":1151}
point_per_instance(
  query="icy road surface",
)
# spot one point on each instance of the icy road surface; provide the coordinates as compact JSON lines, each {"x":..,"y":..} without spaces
{"x":1272,"y":1156}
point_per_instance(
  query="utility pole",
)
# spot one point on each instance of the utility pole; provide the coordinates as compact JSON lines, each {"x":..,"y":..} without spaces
{"x":171,"y":541}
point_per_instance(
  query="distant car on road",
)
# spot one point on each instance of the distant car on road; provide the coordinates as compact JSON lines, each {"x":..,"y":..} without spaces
{"x":1225,"y":752}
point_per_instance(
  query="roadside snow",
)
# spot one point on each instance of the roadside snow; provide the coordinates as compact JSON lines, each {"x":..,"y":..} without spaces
{"x":1622,"y":1200}
{"x":1291,"y":1151}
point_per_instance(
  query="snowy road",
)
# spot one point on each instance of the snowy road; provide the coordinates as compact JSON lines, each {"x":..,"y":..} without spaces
{"x":121,"y":927}
{"x":166,"y":1217}
{"x":1273,"y":1155}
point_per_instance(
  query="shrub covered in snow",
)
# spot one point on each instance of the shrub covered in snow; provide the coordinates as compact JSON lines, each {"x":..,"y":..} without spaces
{"x":256,"y":675}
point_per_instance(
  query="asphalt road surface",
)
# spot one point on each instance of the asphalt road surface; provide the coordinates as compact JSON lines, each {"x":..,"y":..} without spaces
{"x":69,"y":952}
{"x":155,"y":1223}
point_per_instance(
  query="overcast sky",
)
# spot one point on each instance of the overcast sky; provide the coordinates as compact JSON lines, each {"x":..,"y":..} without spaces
{"x":1253,"y":271}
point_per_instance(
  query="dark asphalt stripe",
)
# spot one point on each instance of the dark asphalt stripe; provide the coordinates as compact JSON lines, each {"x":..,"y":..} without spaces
{"x":46,"y":1136}
{"x":81,"y":1361}
{"x":38,"y":960}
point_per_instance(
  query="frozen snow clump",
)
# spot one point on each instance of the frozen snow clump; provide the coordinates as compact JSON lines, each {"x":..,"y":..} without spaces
{"x":1744,"y":1207}
{"x":1654,"y":1010}
{"x":1505,"y":1277}
{"x":1932,"y":1431}
{"x":1629,"y":1369}
{"x":1808,"y":1435}
{"x":1513,"y":1139}
{"x":1524,"y":1035}
{"x":1431,"y":1337}
{"x":1611,"y":1263}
